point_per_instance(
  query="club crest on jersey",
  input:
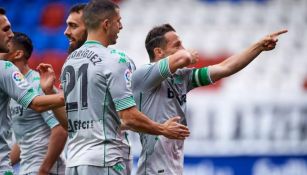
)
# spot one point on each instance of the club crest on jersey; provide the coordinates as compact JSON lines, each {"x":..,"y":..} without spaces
{"x":19,"y":79}
{"x":128,"y":74}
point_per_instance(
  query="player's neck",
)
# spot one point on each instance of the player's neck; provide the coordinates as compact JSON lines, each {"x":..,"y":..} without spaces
{"x":96,"y":36}
{"x":157,"y":59}
{"x":23,"y":68}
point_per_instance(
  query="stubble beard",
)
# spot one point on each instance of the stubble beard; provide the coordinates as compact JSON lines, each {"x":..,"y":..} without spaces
{"x":78,"y":43}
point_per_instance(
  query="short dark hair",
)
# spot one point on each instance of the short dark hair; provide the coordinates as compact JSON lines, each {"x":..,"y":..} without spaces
{"x":155,"y":38}
{"x":77,"y":8}
{"x":2,"y":11}
{"x":96,"y":11}
{"x":22,"y":41}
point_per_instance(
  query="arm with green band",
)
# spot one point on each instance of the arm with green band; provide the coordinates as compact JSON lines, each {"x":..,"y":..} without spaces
{"x":201,"y":77}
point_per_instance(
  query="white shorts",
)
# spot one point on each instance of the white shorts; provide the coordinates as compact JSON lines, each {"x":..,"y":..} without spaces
{"x":121,"y":168}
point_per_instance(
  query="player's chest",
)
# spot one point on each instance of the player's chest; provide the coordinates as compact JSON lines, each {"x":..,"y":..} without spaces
{"x":175,"y":89}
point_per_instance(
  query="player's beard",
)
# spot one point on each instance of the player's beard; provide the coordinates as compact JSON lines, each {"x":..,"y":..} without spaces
{"x":4,"y":49}
{"x":78,"y":43}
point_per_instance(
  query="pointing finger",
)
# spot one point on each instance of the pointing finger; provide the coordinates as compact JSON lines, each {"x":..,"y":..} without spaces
{"x":275,"y":34}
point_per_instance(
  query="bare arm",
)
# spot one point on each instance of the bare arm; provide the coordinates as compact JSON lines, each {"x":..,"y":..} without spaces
{"x":15,"y":154}
{"x":47,"y":102}
{"x":237,"y":62}
{"x":182,"y":58}
{"x":56,"y":144}
{"x":60,"y":114}
{"x":135,"y":120}
{"x":47,"y":80}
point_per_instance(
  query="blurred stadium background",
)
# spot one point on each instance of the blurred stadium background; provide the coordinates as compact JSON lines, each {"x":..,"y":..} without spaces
{"x":253,"y":123}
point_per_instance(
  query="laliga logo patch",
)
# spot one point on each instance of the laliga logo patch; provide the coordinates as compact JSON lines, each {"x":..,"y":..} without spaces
{"x":19,"y":79}
{"x":17,"y":76}
{"x":128,"y":77}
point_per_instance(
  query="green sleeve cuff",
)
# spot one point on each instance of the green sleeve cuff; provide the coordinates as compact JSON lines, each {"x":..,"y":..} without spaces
{"x":164,"y":68}
{"x":27,"y":98}
{"x":201,"y":77}
{"x":124,"y":103}
{"x":52,"y":122}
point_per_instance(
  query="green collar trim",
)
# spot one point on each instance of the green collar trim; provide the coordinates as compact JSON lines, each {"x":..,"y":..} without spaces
{"x":92,"y":42}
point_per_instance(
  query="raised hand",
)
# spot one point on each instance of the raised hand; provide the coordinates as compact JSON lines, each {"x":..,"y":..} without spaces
{"x":194,"y":56}
{"x":47,"y":77}
{"x":269,"y":41}
{"x":175,"y":130}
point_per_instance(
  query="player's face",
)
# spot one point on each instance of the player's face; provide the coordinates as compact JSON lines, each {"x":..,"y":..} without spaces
{"x":173,"y":43}
{"x":114,"y":28}
{"x":75,"y":31}
{"x":10,"y":55}
{"x":6,"y":33}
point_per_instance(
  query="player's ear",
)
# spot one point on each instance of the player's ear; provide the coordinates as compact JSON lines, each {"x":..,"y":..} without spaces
{"x":105,"y":24}
{"x":159,"y":53}
{"x":18,"y":54}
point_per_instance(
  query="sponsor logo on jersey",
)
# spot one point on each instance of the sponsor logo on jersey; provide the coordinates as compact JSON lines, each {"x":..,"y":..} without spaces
{"x":19,"y":79}
{"x":180,"y":98}
{"x":128,"y":74}
{"x":76,"y":125}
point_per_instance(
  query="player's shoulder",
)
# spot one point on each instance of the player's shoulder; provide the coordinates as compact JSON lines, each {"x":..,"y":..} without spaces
{"x":143,"y":70}
{"x":118,"y":56}
{"x":8,"y":69}
{"x":33,"y":76}
{"x":6,"y":65}
{"x":146,"y":66}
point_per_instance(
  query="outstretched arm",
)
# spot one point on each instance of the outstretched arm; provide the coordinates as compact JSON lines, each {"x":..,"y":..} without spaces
{"x":56,"y":144}
{"x":134,"y":120}
{"x":237,"y":62}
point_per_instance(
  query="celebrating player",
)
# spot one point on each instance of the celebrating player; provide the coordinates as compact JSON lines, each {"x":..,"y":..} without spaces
{"x":96,"y":83}
{"x":40,"y":136}
{"x":14,"y":85}
{"x":160,"y":89}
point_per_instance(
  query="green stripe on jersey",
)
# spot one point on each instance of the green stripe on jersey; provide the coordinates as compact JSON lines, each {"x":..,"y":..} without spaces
{"x":28,"y":97}
{"x":124,"y":103}
{"x":92,"y":42}
{"x":52,"y":122}
{"x":201,"y":77}
{"x":164,"y":68}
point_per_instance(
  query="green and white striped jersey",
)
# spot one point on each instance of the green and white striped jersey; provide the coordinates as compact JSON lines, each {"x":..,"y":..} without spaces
{"x":32,"y":131}
{"x":97,"y":84}
{"x":12,"y":85}
{"x":161,"y":95}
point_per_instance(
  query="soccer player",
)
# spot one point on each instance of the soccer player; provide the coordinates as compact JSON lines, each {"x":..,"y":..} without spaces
{"x":13,"y":85}
{"x":99,"y":101}
{"x":40,"y":136}
{"x":75,"y":31}
{"x":160,"y":90}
